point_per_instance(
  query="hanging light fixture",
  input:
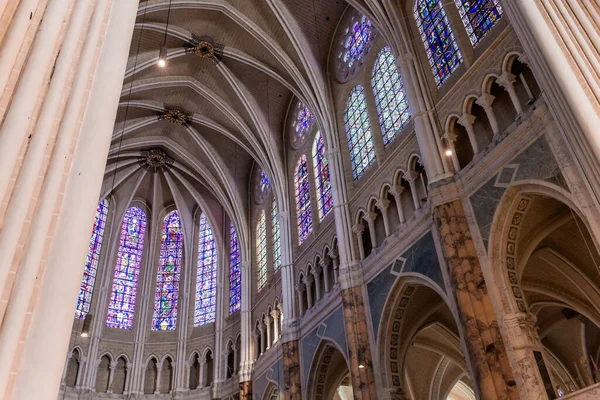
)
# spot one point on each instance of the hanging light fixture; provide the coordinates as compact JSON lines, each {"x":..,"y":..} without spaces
{"x":87,"y":324}
{"x":163,"y":52}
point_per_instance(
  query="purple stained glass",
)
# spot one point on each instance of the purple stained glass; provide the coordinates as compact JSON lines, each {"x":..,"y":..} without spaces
{"x":356,"y":43}
{"x":276,"y":236}
{"x":322,"y":178}
{"x":302,"y":125}
{"x":478,"y":16}
{"x":436,"y":33}
{"x":166,"y":295}
{"x":121,"y":307}
{"x":264,"y":181}
{"x":206,"y":277}
{"x":358,"y":129}
{"x":91,"y":265}
{"x":235,"y":274}
{"x":261,"y":249}
{"x":392,"y":104}
{"x":303,"y":210}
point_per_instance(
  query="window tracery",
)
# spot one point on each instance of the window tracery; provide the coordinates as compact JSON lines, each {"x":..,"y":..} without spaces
{"x":206,"y":276}
{"x":235,"y":275}
{"x":301,"y":125}
{"x":392,"y":104}
{"x":478,"y":16}
{"x":355,"y":43}
{"x":322,"y":178}
{"x":303,"y":210}
{"x":91,"y":265}
{"x":263,"y":186}
{"x":167,"y":279}
{"x":358,"y":129}
{"x":127,"y":270}
{"x":261,"y":249}
{"x":438,"y":38}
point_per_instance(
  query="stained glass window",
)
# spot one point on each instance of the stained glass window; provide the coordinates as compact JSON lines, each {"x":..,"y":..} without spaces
{"x":235,"y":275}
{"x":442,"y":49}
{"x":302,"y":125}
{"x":91,"y":265}
{"x":206,"y":277}
{"x":392,"y":104}
{"x":276,"y":236}
{"x":479,"y":16}
{"x":261,"y":249}
{"x":358,"y":129}
{"x":356,"y":43}
{"x":322,"y":178}
{"x":167,"y":278}
{"x":303,"y":210}
{"x":264,"y":181}
{"x":127,"y":271}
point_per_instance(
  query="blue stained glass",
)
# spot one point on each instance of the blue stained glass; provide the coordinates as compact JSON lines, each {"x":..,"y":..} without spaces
{"x":121,"y":307}
{"x":358,"y":129}
{"x":302,"y":125}
{"x":166,"y":295}
{"x":478,"y":16}
{"x":261,"y":249}
{"x":322,"y":178}
{"x":303,"y":210}
{"x":91,"y":265}
{"x":235,"y":275}
{"x":436,"y":33}
{"x":356,"y":42}
{"x":392,"y":104}
{"x":276,"y":236}
{"x":264,"y":181}
{"x":206,"y":277}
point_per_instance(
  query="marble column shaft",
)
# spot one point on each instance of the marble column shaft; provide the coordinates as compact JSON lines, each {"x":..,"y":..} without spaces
{"x":246,"y":390}
{"x":291,"y":371}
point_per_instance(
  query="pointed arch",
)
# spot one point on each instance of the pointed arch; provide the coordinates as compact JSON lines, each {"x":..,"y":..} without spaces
{"x":261,"y":249}
{"x":392,"y":103}
{"x":322,"y":177}
{"x":235,"y":276}
{"x":358,"y":129}
{"x":121,"y":307}
{"x":167,"y":278}
{"x":91,"y":265}
{"x":303,"y":210}
{"x":438,"y":38}
{"x":206,"y":275}
{"x":479,"y":17}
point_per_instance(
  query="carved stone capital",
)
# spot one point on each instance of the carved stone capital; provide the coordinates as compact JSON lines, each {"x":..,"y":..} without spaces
{"x":317,"y":271}
{"x":522,"y":330}
{"x":485,"y":101}
{"x":382,"y":204}
{"x":466,"y":120}
{"x":358,"y":229}
{"x":506,"y":80}
{"x":370,"y":217}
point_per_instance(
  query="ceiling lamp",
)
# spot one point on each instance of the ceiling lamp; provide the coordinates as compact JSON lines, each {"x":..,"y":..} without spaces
{"x":163,"y":53}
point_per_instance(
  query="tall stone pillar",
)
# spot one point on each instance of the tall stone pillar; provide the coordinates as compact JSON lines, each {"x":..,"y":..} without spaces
{"x":291,"y":371}
{"x":486,"y":351}
{"x":359,"y":349}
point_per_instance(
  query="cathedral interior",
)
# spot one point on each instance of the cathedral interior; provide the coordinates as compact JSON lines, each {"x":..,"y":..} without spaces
{"x":299,"y":199}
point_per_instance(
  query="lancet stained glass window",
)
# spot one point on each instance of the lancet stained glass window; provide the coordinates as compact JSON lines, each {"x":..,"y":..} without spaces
{"x":206,"y":277}
{"x":276,"y":236}
{"x":392,"y":104}
{"x":91,"y":265}
{"x":261,"y":249}
{"x":479,"y":16}
{"x":121,"y":307}
{"x":358,"y":129}
{"x":167,"y":279}
{"x":322,"y":178}
{"x":436,"y":33}
{"x":303,"y":199}
{"x":235,"y":275}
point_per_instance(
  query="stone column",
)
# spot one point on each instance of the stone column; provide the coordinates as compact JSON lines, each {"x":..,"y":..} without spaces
{"x":359,"y":351}
{"x":300,"y":288}
{"x":485,"y":101}
{"x":411,"y":177}
{"x":467,"y":120}
{"x":383,"y":205}
{"x":396,"y":191}
{"x":358,"y":230}
{"x":370,"y":218}
{"x":203,"y":373}
{"x":486,"y":351}
{"x":309,"y":282}
{"x":158,"y":378}
{"x":275,"y":316}
{"x":451,"y":140}
{"x":128,"y":369}
{"x":292,"y":389}
{"x":82,"y":364}
{"x":316,"y":272}
{"x":267,"y":322}
{"x":111,"y":375}
{"x":246,"y":390}
{"x":336,"y":266}
{"x":326,"y":267}
{"x":507,"y":81}
{"x":55,"y":298}
{"x":263,"y":338}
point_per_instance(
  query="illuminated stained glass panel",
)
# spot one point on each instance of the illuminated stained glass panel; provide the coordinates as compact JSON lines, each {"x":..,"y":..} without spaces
{"x":166,"y":295}
{"x":358,"y":129}
{"x":322,"y":178}
{"x":206,"y":277}
{"x":276,"y":236}
{"x":235,"y":274}
{"x":436,"y":33}
{"x":91,"y":265}
{"x":479,"y":16}
{"x":261,"y":249}
{"x":303,"y":210}
{"x":392,"y":104}
{"x":356,"y":42}
{"x":121,"y":307}
{"x":302,"y":125}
